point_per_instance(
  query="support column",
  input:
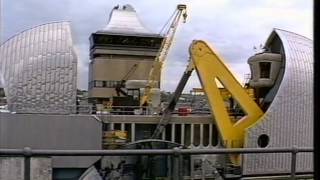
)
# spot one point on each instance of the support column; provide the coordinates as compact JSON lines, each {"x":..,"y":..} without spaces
{"x":173,"y":132}
{"x":164,"y":134}
{"x":210,"y":135}
{"x":192,"y":135}
{"x":182,"y":134}
{"x":133,"y":132}
{"x":201,"y":135}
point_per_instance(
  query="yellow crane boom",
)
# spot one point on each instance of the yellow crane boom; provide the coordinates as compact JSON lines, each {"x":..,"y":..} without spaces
{"x":155,"y":72}
{"x":210,"y":68}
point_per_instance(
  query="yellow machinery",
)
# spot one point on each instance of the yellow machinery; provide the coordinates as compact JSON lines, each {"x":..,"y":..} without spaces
{"x":124,"y":79}
{"x":114,"y":139}
{"x":211,"y":68}
{"x":155,"y":72}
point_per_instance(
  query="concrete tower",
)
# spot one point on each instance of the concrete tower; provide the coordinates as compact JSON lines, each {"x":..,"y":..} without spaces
{"x":115,"y":50}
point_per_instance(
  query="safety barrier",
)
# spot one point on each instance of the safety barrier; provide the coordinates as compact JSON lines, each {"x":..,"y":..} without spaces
{"x":199,"y":132}
{"x":177,"y":154}
{"x":91,"y":109}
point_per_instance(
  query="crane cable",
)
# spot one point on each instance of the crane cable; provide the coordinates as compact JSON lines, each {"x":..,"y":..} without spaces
{"x":166,"y":24}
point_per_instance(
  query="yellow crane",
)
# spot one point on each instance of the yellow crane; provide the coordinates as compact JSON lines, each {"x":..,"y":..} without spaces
{"x":210,"y":69}
{"x":155,"y":72}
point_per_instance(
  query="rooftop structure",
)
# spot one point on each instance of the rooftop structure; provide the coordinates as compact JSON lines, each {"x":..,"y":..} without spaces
{"x":124,"y":20}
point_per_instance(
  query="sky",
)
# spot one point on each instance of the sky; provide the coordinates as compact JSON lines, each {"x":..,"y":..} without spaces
{"x":233,"y":27}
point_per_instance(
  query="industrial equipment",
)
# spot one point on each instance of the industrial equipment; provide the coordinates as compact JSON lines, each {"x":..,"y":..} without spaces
{"x":210,"y":67}
{"x":114,"y":139}
{"x":145,"y":166}
{"x":165,"y":118}
{"x":123,"y":81}
{"x":128,"y":98}
{"x":265,"y":67}
{"x":272,"y":117}
{"x":155,"y":72}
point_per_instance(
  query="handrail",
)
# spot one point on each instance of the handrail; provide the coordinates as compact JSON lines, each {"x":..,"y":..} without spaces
{"x":130,"y":152}
{"x":175,"y":152}
{"x":90,"y":109}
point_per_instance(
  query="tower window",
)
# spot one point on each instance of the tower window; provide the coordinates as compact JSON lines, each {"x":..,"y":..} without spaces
{"x":98,"y":84}
{"x":265,"y":69}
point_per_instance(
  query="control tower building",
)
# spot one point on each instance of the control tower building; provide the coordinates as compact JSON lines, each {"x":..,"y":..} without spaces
{"x":123,"y":46}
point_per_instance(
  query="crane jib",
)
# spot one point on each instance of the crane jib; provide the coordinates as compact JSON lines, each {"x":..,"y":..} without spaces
{"x":155,"y":72}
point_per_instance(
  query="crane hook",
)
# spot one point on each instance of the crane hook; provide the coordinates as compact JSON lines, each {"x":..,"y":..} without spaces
{"x":184,"y":17}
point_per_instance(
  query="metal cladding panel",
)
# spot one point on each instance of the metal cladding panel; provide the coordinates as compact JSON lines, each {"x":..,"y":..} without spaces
{"x":125,"y":21}
{"x":39,"y":70}
{"x":289,"y":119}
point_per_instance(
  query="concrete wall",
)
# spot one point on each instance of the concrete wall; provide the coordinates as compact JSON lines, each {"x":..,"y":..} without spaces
{"x":116,"y":68}
{"x":13,"y":168}
{"x":52,"y":132}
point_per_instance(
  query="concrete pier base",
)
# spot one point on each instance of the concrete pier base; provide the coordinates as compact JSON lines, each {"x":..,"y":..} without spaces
{"x":20,"y":168}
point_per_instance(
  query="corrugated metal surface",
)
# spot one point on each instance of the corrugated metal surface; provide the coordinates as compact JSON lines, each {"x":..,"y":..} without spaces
{"x":39,"y":69}
{"x":289,"y":120}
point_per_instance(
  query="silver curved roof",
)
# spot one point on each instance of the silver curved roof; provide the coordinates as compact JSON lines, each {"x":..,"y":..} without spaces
{"x":289,"y":119}
{"x":124,"y":20}
{"x":39,"y":69}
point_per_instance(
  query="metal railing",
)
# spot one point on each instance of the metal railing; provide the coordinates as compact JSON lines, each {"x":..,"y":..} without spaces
{"x":91,"y":109}
{"x":195,"y":133}
{"x":177,"y":154}
{"x":141,"y":110}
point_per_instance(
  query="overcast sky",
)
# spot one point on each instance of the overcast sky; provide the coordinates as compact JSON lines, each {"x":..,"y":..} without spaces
{"x":233,"y":27}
